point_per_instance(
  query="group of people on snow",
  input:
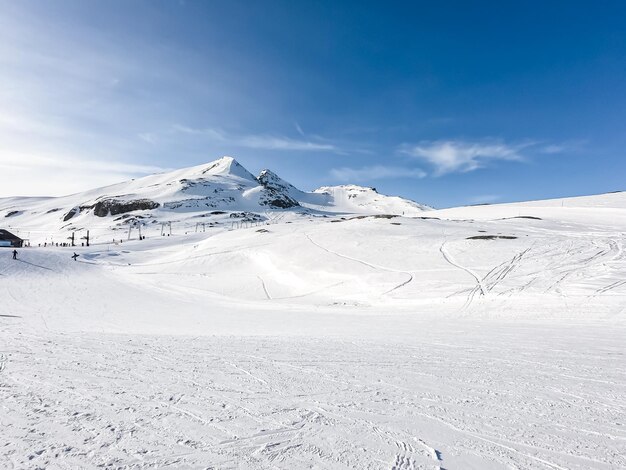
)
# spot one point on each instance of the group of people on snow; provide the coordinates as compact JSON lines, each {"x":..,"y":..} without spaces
{"x":74,"y":256}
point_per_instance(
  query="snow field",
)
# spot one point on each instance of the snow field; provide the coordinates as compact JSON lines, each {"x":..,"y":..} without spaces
{"x":324,"y":343}
{"x":461,"y":395}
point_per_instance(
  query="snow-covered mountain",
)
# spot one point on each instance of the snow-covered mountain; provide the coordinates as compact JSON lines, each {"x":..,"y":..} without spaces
{"x":347,"y":199}
{"x":210,"y":193}
{"x":359,"y":199}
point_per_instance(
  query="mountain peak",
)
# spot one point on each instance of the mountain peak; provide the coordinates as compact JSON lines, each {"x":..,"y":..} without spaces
{"x":282,"y":193}
{"x":227,"y":166}
{"x":271,"y":180}
{"x":267,"y":173}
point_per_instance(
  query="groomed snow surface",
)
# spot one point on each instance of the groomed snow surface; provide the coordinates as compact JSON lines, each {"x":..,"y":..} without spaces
{"x":328,"y":343}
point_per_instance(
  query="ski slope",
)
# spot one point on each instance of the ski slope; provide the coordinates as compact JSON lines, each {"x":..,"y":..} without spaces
{"x":485,"y":337}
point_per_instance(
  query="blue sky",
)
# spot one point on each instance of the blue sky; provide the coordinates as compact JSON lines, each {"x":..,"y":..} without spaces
{"x":447,"y":103}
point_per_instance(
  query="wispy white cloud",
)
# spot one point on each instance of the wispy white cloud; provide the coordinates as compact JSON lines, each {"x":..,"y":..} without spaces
{"x":258,"y":141}
{"x":21,"y":160}
{"x":552,"y":148}
{"x":75,"y":102}
{"x":65,"y":125}
{"x":282,"y":143}
{"x":450,"y":156}
{"x":376,"y":172}
{"x":148,"y":137}
{"x":299,"y":129}
{"x":568,"y":146}
{"x":49,"y":174}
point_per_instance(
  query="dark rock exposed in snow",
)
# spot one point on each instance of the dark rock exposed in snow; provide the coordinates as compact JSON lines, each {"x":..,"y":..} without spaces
{"x":74,"y":211}
{"x":113,"y":206}
{"x":277,"y":194}
{"x":277,"y":200}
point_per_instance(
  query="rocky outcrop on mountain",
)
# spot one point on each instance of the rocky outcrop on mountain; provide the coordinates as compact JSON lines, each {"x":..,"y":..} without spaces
{"x":73,"y":212}
{"x":200,"y":203}
{"x":277,"y":193}
{"x":270,"y":180}
{"x":277,"y":200}
{"x":107,"y":207}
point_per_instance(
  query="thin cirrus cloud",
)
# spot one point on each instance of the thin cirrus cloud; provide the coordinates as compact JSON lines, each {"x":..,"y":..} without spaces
{"x":459,"y":156}
{"x":63,"y":162}
{"x":258,"y":141}
{"x":376,"y":172}
{"x":39,"y":174}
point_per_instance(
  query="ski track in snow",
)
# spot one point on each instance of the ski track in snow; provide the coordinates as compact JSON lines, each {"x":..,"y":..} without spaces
{"x":365,"y":263}
{"x":451,"y":260}
{"x":267,"y":294}
{"x":479,"y":282}
{"x":419,"y":405}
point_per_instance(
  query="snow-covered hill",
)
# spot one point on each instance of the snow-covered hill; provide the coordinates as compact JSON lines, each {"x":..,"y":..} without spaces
{"x":332,"y":336}
{"x":211,"y":194}
{"x":608,"y":210}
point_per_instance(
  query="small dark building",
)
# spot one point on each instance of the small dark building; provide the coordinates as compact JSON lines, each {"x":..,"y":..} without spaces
{"x":7,"y":239}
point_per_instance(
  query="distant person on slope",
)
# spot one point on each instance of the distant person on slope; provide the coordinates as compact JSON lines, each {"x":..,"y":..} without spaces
{"x":74,"y":256}
{"x":14,"y":254}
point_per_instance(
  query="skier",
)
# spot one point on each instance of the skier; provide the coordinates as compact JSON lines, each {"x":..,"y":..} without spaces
{"x":14,"y":254}
{"x":74,"y":256}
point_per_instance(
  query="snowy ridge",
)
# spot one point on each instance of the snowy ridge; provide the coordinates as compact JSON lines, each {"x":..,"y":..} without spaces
{"x":353,"y":198}
{"x":607,"y":210}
